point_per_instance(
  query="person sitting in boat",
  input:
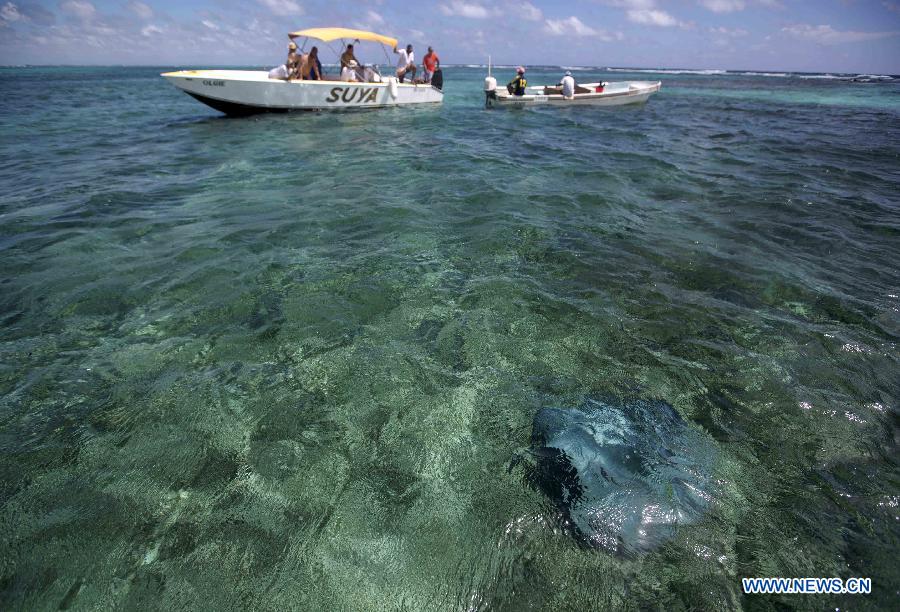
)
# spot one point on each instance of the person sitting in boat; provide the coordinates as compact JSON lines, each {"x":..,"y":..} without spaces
{"x":288,"y":69}
{"x":302,"y":64}
{"x":517,"y":86}
{"x":568,"y":86}
{"x":349,"y":72}
{"x":292,"y":65}
{"x":347,"y":57}
{"x":406,"y":63}
{"x":312,"y":70}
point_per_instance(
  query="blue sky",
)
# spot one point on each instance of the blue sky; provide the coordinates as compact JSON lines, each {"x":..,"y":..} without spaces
{"x":799,"y":35}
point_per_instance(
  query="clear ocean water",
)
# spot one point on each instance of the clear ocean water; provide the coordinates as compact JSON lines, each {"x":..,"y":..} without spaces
{"x":288,"y":361}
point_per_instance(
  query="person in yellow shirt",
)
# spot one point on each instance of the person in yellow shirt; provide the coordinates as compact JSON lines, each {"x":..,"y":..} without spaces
{"x":517,"y":86}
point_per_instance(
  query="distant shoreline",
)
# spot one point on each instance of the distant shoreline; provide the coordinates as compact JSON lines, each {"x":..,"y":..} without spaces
{"x":712,"y":72}
{"x":846,"y":76}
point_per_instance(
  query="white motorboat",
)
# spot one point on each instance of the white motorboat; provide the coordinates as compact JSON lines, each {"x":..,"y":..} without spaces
{"x":244,"y":92}
{"x":593,"y":94}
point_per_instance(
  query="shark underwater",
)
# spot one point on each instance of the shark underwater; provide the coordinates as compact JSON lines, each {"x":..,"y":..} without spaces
{"x":624,"y":476}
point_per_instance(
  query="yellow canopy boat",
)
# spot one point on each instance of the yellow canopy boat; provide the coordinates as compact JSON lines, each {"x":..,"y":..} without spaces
{"x":244,"y":92}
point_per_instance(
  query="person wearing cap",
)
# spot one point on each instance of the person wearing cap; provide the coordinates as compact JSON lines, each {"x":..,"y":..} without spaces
{"x":430,"y":63}
{"x":568,"y":86}
{"x":406,"y":63}
{"x":292,"y":65}
{"x":347,"y":57}
{"x":349,"y":72}
{"x":517,"y":86}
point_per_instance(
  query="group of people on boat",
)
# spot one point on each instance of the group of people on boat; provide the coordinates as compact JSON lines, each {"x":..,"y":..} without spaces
{"x":307,"y":66}
{"x":406,"y":64}
{"x":567,"y":86}
{"x":300,"y":65}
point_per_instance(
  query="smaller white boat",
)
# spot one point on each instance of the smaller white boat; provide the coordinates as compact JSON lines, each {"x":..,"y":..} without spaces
{"x":586,"y":94}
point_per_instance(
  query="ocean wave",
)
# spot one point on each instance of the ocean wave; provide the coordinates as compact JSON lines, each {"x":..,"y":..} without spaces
{"x":485,"y":66}
{"x":828,"y":76}
{"x":669,"y":71}
{"x":763,"y":74}
{"x":863,"y":78}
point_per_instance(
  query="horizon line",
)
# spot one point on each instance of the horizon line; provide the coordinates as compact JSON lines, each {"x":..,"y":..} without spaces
{"x":761,"y":71}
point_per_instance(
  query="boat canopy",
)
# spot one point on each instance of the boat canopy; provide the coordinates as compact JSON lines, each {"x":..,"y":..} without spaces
{"x":329,"y":34}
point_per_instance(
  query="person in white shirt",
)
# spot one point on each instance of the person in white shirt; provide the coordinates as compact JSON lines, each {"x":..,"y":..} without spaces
{"x":406,"y":63}
{"x":348,"y":72}
{"x":568,"y":86}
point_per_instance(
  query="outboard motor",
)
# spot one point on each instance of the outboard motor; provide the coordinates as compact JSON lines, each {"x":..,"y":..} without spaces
{"x":437,"y":79}
{"x":490,"y":91}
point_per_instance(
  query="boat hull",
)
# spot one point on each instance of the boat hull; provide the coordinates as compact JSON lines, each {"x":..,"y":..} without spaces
{"x":244,"y":92}
{"x":614,"y":94}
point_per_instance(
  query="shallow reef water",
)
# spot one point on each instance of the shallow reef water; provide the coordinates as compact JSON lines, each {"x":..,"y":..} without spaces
{"x":284,"y":362}
{"x":624,"y":475}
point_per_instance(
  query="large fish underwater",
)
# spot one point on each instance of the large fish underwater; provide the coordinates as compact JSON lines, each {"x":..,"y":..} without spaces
{"x":624,"y":476}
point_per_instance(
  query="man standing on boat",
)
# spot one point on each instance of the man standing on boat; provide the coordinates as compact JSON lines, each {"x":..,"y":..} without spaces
{"x":406,"y":63}
{"x":430,"y":63}
{"x":347,"y":57}
{"x":517,"y":86}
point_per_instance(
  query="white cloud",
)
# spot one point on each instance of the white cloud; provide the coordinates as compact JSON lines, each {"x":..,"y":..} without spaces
{"x":282,"y":7}
{"x":374,"y":18}
{"x":467,"y":9}
{"x":140,"y":9}
{"x":645,"y":12}
{"x":573,"y":26}
{"x":631,"y":4}
{"x":736,"y":32}
{"x":369,"y":21}
{"x":723,"y":6}
{"x":79,"y":8}
{"x":570,"y":25}
{"x":654,"y":17}
{"x":530,"y":12}
{"x":150,"y":30}
{"x":826,"y":35}
{"x":209,"y":24}
{"x":10,"y":12}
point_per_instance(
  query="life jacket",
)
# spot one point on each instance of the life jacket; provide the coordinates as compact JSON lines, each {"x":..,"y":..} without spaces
{"x":517,"y":86}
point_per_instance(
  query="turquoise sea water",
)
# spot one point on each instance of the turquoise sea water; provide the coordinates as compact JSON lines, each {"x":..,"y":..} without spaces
{"x":287,"y":361}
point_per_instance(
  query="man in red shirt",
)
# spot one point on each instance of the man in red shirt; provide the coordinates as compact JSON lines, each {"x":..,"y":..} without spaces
{"x":430,"y":63}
